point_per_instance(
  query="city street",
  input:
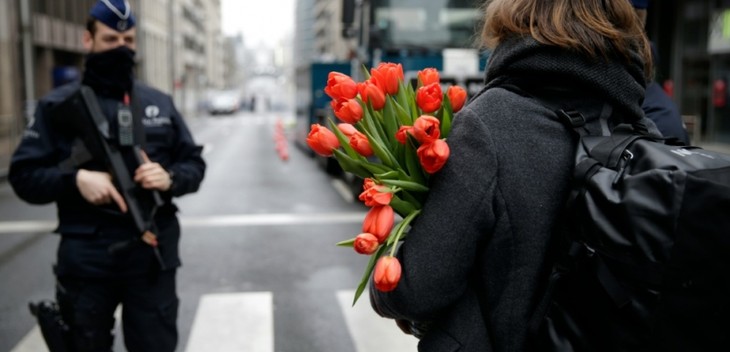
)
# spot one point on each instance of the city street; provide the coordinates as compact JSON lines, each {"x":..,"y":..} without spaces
{"x":260,"y":272}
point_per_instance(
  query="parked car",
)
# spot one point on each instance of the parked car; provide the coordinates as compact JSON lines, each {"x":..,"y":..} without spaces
{"x":224,"y":103}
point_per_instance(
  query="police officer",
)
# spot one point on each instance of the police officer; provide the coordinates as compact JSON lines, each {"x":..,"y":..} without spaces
{"x":93,"y":216}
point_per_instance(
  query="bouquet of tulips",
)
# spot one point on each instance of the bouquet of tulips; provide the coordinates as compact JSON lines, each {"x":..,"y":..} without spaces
{"x":394,"y":137}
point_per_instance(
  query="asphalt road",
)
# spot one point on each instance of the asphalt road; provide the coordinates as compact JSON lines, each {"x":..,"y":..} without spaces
{"x":260,"y":269}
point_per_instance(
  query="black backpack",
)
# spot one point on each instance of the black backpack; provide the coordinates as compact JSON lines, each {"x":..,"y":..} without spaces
{"x":647,"y":237}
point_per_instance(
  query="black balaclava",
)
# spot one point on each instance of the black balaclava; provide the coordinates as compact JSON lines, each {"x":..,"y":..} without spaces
{"x":110,"y":73}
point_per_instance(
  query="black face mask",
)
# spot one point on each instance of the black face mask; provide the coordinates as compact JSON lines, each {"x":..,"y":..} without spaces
{"x":110,"y":73}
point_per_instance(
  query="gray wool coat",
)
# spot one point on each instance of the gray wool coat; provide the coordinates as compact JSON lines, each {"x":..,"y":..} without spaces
{"x":476,"y":260}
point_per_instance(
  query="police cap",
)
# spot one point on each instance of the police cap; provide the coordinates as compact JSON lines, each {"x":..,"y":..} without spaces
{"x":116,"y":14}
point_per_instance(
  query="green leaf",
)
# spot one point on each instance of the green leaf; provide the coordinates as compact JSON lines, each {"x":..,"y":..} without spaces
{"x":366,"y":275}
{"x":413,"y":165}
{"x":390,"y":121}
{"x":350,"y":165}
{"x":346,"y":243}
{"x":403,"y":117}
{"x":412,"y":103}
{"x":402,"y":207}
{"x":446,"y":117}
{"x":376,"y":168}
{"x":407,"y":185}
{"x":392,"y":174}
{"x":365,"y":72}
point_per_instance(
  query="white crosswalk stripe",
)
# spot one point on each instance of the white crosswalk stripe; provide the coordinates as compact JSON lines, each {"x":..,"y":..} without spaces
{"x":244,"y":321}
{"x":221,"y":319}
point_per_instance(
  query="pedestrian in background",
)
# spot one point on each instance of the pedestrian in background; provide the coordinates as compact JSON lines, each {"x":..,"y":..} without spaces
{"x":478,"y":257}
{"x":92,"y":215}
{"x":658,"y":106}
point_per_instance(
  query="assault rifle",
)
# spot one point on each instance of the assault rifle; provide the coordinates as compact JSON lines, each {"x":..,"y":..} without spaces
{"x":81,"y":116}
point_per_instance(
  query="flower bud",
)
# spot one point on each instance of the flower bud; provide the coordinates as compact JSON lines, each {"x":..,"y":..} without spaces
{"x":387,"y":76}
{"x":371,"y":93}
{"x":348,"y":111}
{"x":340,"y":86}
{"x":347,"y":129}
{"x":322,"y":140}
{"x":387,"y":273}
{"x":426,"y":129}
{"x":429,"y":97}
{"x":402,"y":135}
{"x":379,"y":221}
{"x":360,"y":143}
{"x":457,"y":97}
{"x":428,"y":76}
{"x":365,"y":243}
{"x":433,"y":156}
{"x":376,"y":195}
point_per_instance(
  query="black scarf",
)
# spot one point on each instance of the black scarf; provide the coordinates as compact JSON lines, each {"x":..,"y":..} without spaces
{"x":110,"y":73}
{"x":526,"y":60}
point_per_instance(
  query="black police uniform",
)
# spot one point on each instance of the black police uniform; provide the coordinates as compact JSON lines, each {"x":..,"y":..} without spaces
{"x":92,"y":282}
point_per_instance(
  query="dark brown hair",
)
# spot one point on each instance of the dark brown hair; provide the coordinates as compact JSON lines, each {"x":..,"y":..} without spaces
{"x":593,"y":27}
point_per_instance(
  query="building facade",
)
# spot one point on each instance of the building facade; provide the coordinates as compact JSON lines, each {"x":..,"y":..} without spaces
{"x":180,"y":51}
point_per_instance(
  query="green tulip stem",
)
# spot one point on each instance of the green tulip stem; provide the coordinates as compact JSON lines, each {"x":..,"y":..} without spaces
{"x":401,"y":229}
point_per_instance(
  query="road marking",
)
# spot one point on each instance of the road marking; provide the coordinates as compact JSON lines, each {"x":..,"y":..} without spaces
{"x":342,"y":189}
{"x":368,"y":330}
{"x":271,"y":219}
{"x":33,"y":340}
{"x":241,"y":220}
{"x":233,"y":322}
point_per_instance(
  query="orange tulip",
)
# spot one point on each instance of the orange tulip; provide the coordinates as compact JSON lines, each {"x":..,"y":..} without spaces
{"x":376,"y":195}
{"x":387,"y":76}
{"x":360,"y":143}
{"x":402,"y":135}
{"x":429,"y":97}
{"x":365,"y":243}
{"x":426,"y":129}
{"x":387,"y":273}
{"x":347,"y":129}
{"x":348,"y":111}
{"x":428,"y":76}
{"x":340,"y":86}
{"x":433,"y":155}
{"x":379,"y":221}
{"x":371,"y":93}
{"x":457,"y":97}
{"x":322,"y":140}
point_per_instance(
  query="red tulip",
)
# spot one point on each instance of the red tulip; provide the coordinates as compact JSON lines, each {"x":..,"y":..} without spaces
{"x":348,"y":111}
{"x":347,"y":129}
{"x":429,"y":97}
{"x":387,"y":273}
{"x":426,"y":129}
{"x":387,"y":76}
{"x":340,"y":86}
{"x":322,"y":140}
{"x":379,"y":221}
{"x":360,"y":143}
{"x":402,"y":135}
{"x":376,"y":195}
{"x":368,"y":183}
{"x":457,"y":97}
{"x":433,"y":155}
{"x":428,"y":76}
{"x":371,"y":93}
{"x":365,"y":243}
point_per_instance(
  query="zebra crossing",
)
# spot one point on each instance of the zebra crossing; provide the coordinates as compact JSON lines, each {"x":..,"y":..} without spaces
{"x":244,"y":321}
